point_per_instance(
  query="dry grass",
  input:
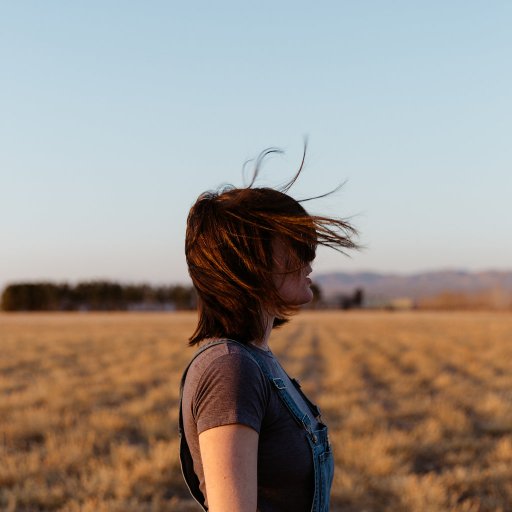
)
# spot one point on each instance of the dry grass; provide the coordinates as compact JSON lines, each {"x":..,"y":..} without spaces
{"x":419,"y":406}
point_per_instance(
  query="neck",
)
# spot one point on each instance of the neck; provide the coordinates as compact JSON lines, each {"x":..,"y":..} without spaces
{"x":268,"y":321}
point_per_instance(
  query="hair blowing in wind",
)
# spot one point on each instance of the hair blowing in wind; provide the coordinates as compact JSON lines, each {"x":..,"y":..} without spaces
{"x":228,"y":247}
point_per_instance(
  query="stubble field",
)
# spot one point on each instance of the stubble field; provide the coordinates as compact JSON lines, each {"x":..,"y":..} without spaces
{"x":419,"y":407}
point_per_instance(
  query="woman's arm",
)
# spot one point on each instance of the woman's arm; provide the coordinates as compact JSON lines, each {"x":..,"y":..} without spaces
{"x":230,"y":461}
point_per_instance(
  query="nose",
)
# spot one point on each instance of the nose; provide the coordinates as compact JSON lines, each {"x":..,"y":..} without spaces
{"x":309,"y":269}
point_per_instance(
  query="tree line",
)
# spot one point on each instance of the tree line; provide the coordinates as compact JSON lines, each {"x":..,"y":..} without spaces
{"x":95,"y":296}
{"x":112,"y":296}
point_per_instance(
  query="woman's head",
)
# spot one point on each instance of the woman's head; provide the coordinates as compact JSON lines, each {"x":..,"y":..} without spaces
{"x":249,"y":251}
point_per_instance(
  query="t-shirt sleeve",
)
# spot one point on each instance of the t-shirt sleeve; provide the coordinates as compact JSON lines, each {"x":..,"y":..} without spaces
{"x":231,"y":390}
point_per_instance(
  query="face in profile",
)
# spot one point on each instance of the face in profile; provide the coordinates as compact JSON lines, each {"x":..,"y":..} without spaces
{"x":295,"y":287}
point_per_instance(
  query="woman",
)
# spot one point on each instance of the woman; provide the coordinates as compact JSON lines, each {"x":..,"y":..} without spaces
{"x":250,"y":439}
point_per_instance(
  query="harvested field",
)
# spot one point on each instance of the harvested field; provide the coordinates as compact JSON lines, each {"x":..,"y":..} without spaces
{"x":419,"y":406}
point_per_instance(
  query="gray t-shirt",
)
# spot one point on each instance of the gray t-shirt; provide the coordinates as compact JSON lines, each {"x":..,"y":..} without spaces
{"x":224,"y":385}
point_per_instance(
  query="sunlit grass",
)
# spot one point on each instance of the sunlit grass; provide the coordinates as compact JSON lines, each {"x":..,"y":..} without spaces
{"x":419,"y":406}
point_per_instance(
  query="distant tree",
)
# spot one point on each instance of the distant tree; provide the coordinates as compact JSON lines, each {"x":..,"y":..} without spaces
{"x":100,"y":296}
{"x":349,"y":301}
{"x":30,"y":297}
{"x":344,"y":301}
{"x":358,"y":298}
{"x":94,"y":296}
{"x":182,"y":297}
{"x":133,"y":294}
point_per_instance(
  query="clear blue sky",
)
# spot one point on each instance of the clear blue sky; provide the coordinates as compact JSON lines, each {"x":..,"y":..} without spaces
{"x":114,"y":116}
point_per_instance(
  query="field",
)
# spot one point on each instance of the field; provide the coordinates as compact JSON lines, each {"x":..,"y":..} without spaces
{"x":419,"y":407}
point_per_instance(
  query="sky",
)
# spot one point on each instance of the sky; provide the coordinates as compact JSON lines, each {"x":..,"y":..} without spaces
{"x":115,"y":116}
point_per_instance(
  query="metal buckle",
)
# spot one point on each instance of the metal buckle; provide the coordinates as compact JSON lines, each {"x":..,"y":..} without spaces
{"x":279,"y":384}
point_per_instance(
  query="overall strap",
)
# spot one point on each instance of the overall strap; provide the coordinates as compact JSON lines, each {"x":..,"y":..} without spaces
{"x":277,"y":383}
{"x":316,"y":410}
{"x":301,"y":418}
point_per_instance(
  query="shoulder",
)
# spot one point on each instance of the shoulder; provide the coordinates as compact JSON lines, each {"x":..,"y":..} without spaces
{"x":225,"y":385}
{"x":229,"y":359}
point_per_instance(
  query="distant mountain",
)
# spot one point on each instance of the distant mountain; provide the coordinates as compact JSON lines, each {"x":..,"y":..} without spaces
{"x":388,"y":286}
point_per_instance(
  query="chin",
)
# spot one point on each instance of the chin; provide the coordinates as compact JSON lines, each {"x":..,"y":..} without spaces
{"x":296,"y":294}
{"x":308,"y":297}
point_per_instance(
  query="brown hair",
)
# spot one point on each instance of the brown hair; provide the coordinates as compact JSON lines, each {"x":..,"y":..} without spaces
{"x":228,"y":247}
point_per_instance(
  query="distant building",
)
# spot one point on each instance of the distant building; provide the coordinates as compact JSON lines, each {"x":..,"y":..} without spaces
{"x":400,"y":304}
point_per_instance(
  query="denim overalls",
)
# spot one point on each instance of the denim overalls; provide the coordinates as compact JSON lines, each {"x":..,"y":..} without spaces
{"x":323,"y":461}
